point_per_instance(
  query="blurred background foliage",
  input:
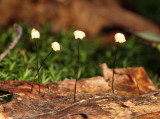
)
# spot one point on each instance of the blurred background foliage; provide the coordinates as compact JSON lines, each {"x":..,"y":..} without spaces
{"x":62,"y":65}
{"x":148,"y":8}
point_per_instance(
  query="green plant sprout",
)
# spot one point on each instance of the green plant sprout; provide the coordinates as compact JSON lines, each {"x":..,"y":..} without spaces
{"x":56,"y":47}
{"x":119,"y":38}
{"x":36,"y":35}
{"x":78,"y":35}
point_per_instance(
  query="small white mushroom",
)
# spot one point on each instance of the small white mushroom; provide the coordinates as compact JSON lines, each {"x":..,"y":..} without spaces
{"x":35,"y":33}
{"x":119,"y":37}
{"x":79,"y":34}
{"x":55,"y":46}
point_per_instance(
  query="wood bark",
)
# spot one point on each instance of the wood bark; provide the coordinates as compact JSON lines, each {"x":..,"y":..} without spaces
{"x":94,"y":100}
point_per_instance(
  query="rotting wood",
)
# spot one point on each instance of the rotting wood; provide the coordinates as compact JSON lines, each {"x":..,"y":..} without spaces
{"x":94,"y":98}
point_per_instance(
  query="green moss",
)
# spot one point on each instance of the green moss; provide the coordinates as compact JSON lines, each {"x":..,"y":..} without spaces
{"x":61,"y":65}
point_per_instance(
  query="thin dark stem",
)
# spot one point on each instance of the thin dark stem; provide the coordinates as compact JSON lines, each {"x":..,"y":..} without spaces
{"x":41,"y":66}
{"x":37,"y":61}
{"x":77,"y":74}
{"x":114,"y":63}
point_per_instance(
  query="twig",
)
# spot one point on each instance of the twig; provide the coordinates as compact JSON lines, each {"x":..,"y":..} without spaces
{"x":72,"y":105}
{"x":5,"y":95}
{"x":134,"y":80}
{"x":18,"y":29}
{"x":84,"y":115}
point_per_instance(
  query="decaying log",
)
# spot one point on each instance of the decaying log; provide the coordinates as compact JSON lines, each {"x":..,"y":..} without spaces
{"x":94,"y":98}
{"x":91,"y":106}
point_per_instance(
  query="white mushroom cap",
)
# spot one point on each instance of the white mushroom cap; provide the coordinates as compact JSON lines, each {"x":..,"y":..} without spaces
{"x":119,"y":37}
{"x":55,"y":46}
{"x":79,"y":34}
{"x":35,"y":33}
